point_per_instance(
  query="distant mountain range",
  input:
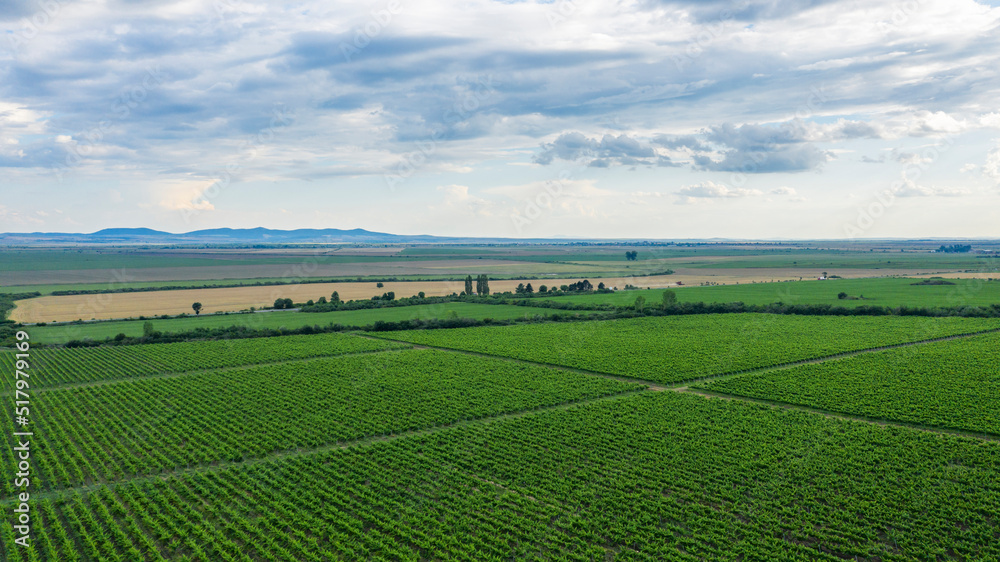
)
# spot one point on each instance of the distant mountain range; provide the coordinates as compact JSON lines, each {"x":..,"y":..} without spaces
{"x":258,"y":235}
{"x":236,"y":236}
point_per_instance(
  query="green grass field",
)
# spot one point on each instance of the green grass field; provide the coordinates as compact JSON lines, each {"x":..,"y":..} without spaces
{"x":891,"y":292}
{"x":62,"y":333}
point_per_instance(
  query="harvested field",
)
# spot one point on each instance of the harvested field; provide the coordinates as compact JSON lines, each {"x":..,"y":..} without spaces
{"x":155,"y":303}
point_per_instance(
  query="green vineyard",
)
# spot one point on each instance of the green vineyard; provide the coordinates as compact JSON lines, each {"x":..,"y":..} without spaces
{"x":139,"y":427}
{"x":81,"y":365}
{"x":349,"y":447}
{"x":949,"y":385}
{"x":653,"y":477}
{"x":678,"y":348}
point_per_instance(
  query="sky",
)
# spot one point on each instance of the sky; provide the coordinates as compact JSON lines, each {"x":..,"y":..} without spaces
{"x":658,"y":119}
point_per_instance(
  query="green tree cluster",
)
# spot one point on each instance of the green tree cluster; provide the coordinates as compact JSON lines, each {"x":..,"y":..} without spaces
{"x":483,"y":285}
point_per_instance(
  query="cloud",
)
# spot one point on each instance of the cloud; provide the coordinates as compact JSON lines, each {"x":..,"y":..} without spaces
{"x":784,"y":190}
{"x":187,"y":195}
{"x":788,"y":159}
{"x":568,"y":146}
{"x":716,"y":11}
{"x":927,"y":123}
{"x":14,"y":217}
{"x":991,"y":168}
{"x":754,"y":148}
{"x":909,"y":188}
{"x":459,"y":199}
{"x":712,"y":190}
{"x":912,"y":158}
{"x":318,"y":50}
{"x":851,"y":61}
{"x":611,"y":149}
{"x":682,"y":141}
{"x":794,"y":131}
{"x":561,"y":188}
{"x":991,"y":120}
{"x":748,"y":148}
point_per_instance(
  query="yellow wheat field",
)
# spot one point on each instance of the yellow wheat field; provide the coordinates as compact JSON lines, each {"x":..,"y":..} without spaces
{"x":154,"y":303}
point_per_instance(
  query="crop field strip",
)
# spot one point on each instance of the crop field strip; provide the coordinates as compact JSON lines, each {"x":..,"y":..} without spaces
{"x":146,"y":426}
{"x":683,"y":385}
{"x":833,"y":414}
{"x":62,"y":366}
{"x":337,"y":446}
{"x":949,"y":385}
{"x":654,"y":476}
{"x":885,"y":292}
{"x":180,"y":374}
{"x":675,"y":349}
{"x":693,"y":386}
{"x":62,"y":333}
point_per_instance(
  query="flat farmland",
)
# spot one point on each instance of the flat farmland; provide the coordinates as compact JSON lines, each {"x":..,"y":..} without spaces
{"x":145,"y":425}
{"x":62,"y":333}
{"x":692,"y":276}
{"x":295,"y":268}
{"x":657,"y":476}
{"x":69,"y":259}
{"x":950,"y":384}
{"x":172,"y":302}
{"x":890,"y":292}
{"x":672,"y":349}
{"x":68,"y":267}
{"x":842,"y":260}
{"x":634,"y":275}
{"x":71,"y":366}
{"x":176,"y":285}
